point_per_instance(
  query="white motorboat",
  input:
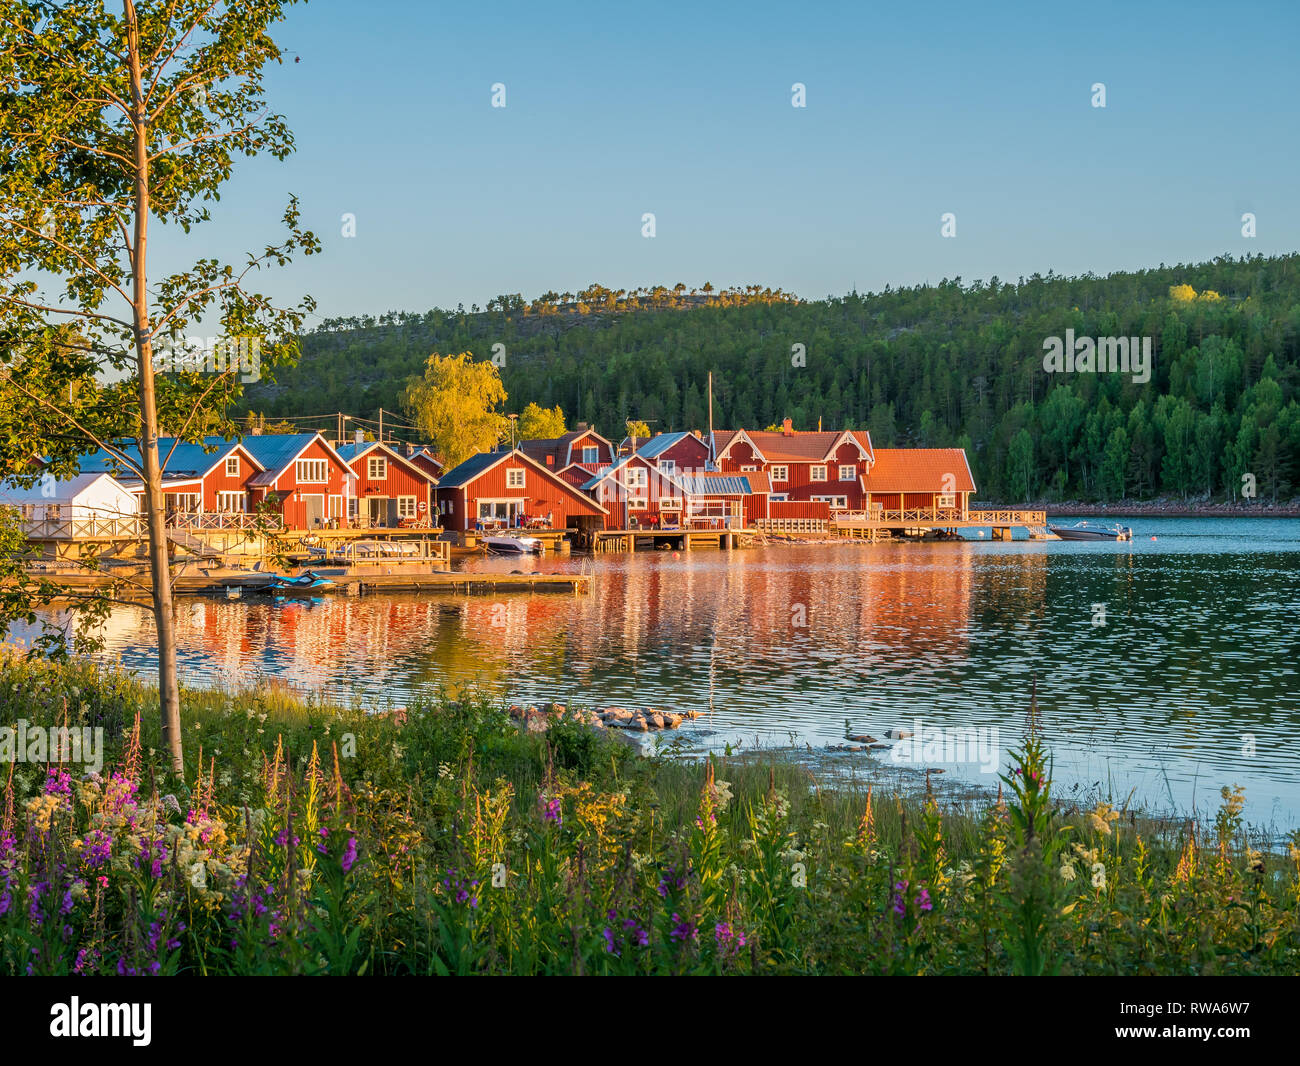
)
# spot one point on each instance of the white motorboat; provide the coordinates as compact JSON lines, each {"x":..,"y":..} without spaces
{"x":509,"y":544}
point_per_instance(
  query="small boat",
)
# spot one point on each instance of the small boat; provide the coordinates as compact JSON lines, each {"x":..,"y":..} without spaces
{"x":1084,"y":531}
{"x":504,"y":544}
{"x":308,"y":582}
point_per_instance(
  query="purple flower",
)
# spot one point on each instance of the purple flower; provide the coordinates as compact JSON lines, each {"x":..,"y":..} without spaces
{"x":900,"y":904}
{"x":923,"y":900}
{"x":684,"y":930}
{"x":349,"y":855}
{"x":552,"y":812}
{"x":58,"y":782}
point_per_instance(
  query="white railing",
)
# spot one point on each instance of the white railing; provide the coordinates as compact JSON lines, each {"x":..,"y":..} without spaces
{"x":80,"y":528}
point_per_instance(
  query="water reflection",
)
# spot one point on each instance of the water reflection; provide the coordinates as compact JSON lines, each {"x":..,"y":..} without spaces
{"x":1192,"y":654}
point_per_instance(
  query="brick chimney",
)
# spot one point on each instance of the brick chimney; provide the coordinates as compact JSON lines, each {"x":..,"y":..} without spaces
{"x":787,"y":428}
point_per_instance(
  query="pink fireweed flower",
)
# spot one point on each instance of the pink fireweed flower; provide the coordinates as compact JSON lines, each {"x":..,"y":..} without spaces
{"x":899,"y":903}
{"x":922,"y":900}
{"x":349,"y":855}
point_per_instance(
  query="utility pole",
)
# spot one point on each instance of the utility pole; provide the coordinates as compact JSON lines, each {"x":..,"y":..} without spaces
{"x":712,"y":457}
{"x":381,"y":425}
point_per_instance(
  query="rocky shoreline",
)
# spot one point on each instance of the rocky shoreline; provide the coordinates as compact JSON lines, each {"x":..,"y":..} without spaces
{"x":1170,"y":509}
{"x":539,"y":718}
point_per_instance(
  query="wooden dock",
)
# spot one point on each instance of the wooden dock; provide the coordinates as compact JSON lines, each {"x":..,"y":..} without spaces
{"x":868,"y":525}
{"x":349,"y":582}
{"x":631,"y":540}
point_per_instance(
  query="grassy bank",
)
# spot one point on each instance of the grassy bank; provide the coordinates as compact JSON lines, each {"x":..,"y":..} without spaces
{"x":311,"y":839}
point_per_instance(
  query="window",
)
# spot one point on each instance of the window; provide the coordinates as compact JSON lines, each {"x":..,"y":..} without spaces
{"x":336,"y":507}
{"x":638,"y":504}
{"x":670,"y":503}
{"x":515,"y":478}
{"x":840,"y":503}
{"x":848,"y":472}
{"x":778,"y":497}
{"x":590,"y":455}
{"x":406,"y":506}
{"x":668,"y":466}
{"x":780,"y":473}
{"x":230,"y":501}
{"x":353,"y":504}
{"x":232,"y":466}
{"x":749,"y":469}
{"x":638,"y":477}
{"x":311,"y":471}
{"x":376,"y":468}
{"x":946,"y":499}
{"x":817,"y":473}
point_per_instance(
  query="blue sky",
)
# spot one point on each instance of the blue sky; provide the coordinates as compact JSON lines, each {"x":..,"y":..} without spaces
{"x":684,"y":110}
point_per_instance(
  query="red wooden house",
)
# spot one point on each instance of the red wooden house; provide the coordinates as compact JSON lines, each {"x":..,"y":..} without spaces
{"x":428,"y":462}
{"x":204,"y":478}
{"x":387,"y":489}
{"x":582,"y":445}
{"x":505,"y":488}
{"x":637,"y":494}
{"x":802,"y":465}
{"x":674,"y":452}
{"x":303,"y":477}
{"x":906,"y":479}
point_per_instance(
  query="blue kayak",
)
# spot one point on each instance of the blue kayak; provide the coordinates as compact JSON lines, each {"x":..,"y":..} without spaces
{"x":308,"y":582}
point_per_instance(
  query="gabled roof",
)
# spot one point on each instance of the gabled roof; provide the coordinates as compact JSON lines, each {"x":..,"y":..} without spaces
{"x":350,"y":453}
{"x":560,"y":447}
{"x":66,"y":490}
{"x":797,"y":446}
{"x":275,"y":451}
{"x":920,"y":470}
{"x":188,"y":459}
{"x":477,"y":465}
{"x":660,"y":443}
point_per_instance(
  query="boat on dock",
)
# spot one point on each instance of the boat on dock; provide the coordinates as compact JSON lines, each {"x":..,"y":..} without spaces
{"x":505,"y":544}
{"x":308,"y":583}
{"x":1086,"y":531}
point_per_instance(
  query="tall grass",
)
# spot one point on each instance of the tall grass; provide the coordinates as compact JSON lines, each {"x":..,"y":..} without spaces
{"x":314,"y":839}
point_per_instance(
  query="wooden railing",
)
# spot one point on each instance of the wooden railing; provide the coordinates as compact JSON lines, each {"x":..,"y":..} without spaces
{"x":80,"y":528}
{"x":939,"y":516}
{"x":220,"y":520}
{"x":791,"y":525}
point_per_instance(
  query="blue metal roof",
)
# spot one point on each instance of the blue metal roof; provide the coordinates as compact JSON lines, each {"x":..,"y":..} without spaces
{"x":660,"y":443}
{"x":186,"y":459}
{"x":275,"y":450}
{"x":469,"y":469}
{"x":348,"y":452}
{"x":714,"y":484}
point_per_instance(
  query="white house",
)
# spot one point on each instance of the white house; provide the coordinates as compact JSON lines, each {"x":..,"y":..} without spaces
{"x":83,"y":506}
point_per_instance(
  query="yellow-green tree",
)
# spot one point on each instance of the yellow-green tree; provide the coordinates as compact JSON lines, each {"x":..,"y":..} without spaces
{"x":639,"y":430}
{"x":540,"y":423}
{"x":455,"y":404}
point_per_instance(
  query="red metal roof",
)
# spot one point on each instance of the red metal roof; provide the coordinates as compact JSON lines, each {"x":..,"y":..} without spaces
{"x":920,"y":470}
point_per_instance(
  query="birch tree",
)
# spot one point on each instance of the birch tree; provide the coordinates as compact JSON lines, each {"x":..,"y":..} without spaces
{"x":114,"y":116}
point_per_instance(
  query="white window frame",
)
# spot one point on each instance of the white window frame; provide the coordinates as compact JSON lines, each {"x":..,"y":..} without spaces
{"x":334,"y":507}
{"x":852,"y":472}
{"x":817,"y":473}
{"x":406,"y":507}
{"x":232,"y":466}
{"x":590,"y":454}
{"x":638,"y":504}
{"x":305,"y":471}
{"x":749,"y":468}
{"x":376,"y":468}
{"x":516,"y":478}
{"x":778,"y":497}
{"x":837,"y":503}
{"x":225,"y":498}
{"x":946,"y":499}
{"x":638,"y":477}
{"x":670,"y":503}
{"x":668,"y":466}
{"x":780,"y":473}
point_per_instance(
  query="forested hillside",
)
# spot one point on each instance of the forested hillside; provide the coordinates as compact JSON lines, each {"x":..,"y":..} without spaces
{"x":948,"y":364}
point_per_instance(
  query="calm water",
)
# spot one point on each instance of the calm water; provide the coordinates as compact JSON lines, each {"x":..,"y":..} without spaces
{"x":1198,"y":653}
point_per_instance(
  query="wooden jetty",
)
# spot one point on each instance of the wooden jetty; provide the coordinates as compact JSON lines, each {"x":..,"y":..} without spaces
{"x":870,"y":525}
{"x":349,"y":581}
